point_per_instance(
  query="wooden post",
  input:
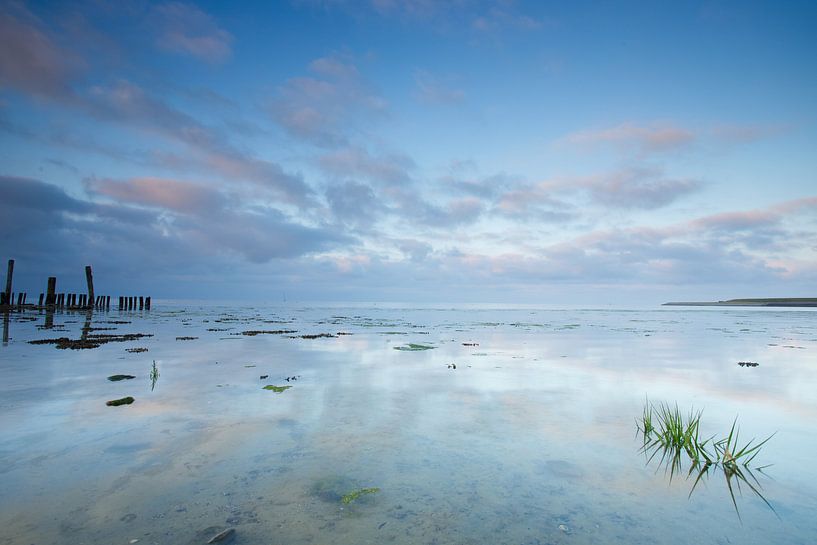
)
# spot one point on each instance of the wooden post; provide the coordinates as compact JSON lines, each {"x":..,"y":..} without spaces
{"x":141,"y":302}
{"x":25,"y":296}
{"x":107,"y":302}
{"x":19,"y":299}
{"x":147,"y":302}
{"x":50,"y":298}
{"x":89,"y":277}
{"x":9,"y":275}
{"x":121,"y":302}
{"x":40,"y":302}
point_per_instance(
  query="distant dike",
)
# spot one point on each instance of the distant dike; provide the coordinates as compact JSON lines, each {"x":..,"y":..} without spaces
{"x":777,"y":302}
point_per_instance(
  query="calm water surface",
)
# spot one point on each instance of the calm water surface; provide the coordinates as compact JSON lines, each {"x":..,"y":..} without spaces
{"x":531,"y":439}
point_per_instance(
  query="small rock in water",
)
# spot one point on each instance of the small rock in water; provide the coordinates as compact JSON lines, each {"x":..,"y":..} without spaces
{"x":264,"y":376}
{"x":223,"y":537}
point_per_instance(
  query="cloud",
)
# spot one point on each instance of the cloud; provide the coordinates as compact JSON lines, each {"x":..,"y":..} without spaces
{"x":178,"y":224}
{"x":30,"y":61}
{"x":431,"y":90}
{"x":354,"y":204}
{"x":30,"y":194}
{"x":643,"y":188}
{"x":628,"y":188}
{"x":187,"y":30}
{"x":499,"y":18}
{"x":359,"y":163}
{"x":210,"y":152}
{"x":322,"y":110}
{"x":536,"y":202}
{"x":178,"y":196}
{"x":631,"y":137}
{"x":416,"y":250}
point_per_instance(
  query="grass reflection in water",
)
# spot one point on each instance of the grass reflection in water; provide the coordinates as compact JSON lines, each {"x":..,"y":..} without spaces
{"x":676,"y":437}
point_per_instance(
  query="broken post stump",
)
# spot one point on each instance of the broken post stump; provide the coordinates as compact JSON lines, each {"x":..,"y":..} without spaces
{"x":51,"y":296}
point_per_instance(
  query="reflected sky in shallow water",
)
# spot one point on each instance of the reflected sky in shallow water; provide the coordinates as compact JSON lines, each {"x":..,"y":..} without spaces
{"x":530,"y":439}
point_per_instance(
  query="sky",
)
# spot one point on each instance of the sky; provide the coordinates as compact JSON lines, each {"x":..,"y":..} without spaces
{"x":416,"y":151}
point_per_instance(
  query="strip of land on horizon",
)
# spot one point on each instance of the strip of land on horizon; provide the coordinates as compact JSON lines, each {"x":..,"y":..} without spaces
{"x":773,"y":302}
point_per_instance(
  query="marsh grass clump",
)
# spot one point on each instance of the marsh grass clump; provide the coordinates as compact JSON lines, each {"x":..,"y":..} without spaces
{"x":154,"y":376}
{"x":665,"y":430}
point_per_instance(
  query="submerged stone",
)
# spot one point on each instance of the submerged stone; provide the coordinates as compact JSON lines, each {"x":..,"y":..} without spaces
{"x":223,"y":537}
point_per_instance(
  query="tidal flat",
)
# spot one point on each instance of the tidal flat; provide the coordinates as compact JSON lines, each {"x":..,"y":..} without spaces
{"x":390,"y":424}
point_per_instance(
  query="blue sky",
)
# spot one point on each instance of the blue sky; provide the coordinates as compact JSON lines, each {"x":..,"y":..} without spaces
{"x":415,"y":150}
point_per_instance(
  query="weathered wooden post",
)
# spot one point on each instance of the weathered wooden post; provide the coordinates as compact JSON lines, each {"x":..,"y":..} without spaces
{"x":147,"y":302}
{"x":107,"y":302}
{"x":40,"y":302}
{"x":9,"y":275}
{"x":50,"y":297}
{"x":141,"y":302}
{"x":121,"y":302}
{"x":19,"y":299}
{"x":89,"y":277}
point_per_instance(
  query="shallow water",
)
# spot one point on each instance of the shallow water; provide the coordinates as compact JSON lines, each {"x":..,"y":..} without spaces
{"x":531,"y":439}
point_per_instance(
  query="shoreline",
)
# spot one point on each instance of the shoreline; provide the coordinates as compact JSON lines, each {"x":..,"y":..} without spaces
{"x":767,"y":302}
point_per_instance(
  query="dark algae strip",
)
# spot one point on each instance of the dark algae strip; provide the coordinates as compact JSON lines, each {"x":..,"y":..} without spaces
{"x":122,"y":401}
{"x":90,"y":341}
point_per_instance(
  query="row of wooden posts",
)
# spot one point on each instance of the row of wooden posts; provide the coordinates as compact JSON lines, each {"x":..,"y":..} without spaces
{"x":71,"y":300}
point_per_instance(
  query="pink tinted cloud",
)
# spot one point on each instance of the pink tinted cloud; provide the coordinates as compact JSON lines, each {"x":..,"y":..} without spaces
{"x":174,"y":195}
{"x":31,"y":62}
{"x":753,"y":219}
{"x":654,"y":138}
{"x":185,"y":29}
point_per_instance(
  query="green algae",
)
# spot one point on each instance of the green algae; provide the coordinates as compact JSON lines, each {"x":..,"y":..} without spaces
{"x":411,"y":347}
{"x":352,"y":496}
{"x":276,"y":389}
